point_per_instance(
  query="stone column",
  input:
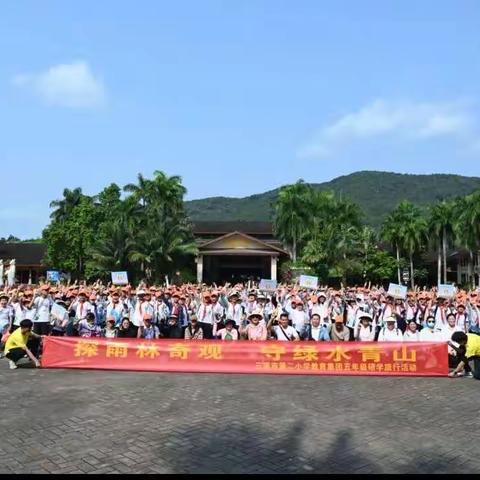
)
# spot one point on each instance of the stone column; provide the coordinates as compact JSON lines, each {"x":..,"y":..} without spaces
{"x":273,"y":267}
{"x":200,"y":269}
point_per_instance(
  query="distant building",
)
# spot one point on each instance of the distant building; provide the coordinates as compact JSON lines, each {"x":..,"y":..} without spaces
{"x":28,"y":258}
{"x":234,"y":251}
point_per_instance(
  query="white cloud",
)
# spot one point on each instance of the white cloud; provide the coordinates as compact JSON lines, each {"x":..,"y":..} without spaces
{"x":401,"y":120}
{"x":70,"y":85}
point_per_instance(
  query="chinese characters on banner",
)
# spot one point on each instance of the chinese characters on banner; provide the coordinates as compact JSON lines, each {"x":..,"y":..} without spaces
{"x":312,"y":358}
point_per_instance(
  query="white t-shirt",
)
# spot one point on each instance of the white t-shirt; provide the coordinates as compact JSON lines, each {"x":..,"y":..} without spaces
{"x":81,"y":310}
{"x":116,"y":310}
{"x":5,"y":317}
{"x":235,"y":312}
{"x":22,"y":313}
{"x":42,"y":307}
{"x":289,"y":331}
{"x":322,"y":310}
{"x":387,"y":335}
{"x":141,"y":309}
{"x":351,"y":316}
{"x":410,"y":336}
{"x":205,"y":313}
{"x":428,"y":335}
{"x":366,"y":334}
{"x":299,"y":319}
{"x":446,"y":332}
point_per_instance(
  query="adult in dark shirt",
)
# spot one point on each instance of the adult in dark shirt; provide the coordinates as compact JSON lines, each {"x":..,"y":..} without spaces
{"x":172,"y":329}
{"x":126,"y":329}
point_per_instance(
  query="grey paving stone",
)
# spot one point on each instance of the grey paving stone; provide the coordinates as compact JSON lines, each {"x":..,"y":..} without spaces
{"x":68,"y":421}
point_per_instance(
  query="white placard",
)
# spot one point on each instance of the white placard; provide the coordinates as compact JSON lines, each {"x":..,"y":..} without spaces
{"x":446,"y":291}
{"x":120,"y":278}
{"x":53,"y":276}
{"x":397,"y":291}
{"x":308,"y":281}
{"x":267,"y":285}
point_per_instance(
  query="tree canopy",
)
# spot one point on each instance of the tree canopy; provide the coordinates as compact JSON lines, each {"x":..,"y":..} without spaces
{"x":146,"y":232}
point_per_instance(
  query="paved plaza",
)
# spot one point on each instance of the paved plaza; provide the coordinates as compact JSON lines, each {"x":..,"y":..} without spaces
{"x":72,"y":421}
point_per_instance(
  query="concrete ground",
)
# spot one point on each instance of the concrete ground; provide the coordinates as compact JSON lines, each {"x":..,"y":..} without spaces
{"x":72,"y":421}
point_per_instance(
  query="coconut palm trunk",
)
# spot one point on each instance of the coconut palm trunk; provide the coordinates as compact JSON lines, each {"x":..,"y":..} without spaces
{"x":294,"y":248}
{"x":471,"y":276}
{"x":412,"y":280}
{"x":444,"y":252}
{"x":398,"y":265}
{"x":439,"y":266}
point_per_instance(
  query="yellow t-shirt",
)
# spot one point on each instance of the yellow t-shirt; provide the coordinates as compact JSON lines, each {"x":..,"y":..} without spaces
{"x":17,"y":340}
{"x":473,"y":345}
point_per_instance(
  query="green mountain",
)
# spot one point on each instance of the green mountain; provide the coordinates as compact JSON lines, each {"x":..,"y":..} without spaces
{"x":376,"y":192}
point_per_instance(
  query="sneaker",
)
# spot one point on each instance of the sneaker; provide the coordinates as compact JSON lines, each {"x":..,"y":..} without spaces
{"x":468,"y":375}
{"x":12,"y":364}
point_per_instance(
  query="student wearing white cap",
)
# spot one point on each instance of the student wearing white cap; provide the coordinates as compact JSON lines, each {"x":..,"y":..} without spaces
{"x":365,"y":331}
{"x":390,"y":333}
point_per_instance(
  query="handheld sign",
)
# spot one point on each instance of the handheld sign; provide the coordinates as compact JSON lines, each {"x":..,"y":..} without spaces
{"x":267,"y":285}
{"x":120,"y":278}
{"x":307,"y":281}
{"x":446,"y":291}
{"x":53,"y":276}
{"x":397,"y":291}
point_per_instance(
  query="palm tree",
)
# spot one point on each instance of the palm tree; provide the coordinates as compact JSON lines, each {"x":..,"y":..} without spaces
{"x":391,"y":232}
{"x":467,"y":228}
{"x":110,"y":252}
{"x":441,"y":227}
{"x":292,"y":214}
{"x":367,"y":241}
{"x":346,"y":212}
{"x":406,"y":229}
{"x":158,"y":246}
{"x":414,"y":238}
{"x":140,"y":190}
{"x":63,"y":207}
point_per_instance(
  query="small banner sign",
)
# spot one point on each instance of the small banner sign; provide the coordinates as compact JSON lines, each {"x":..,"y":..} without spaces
{"x":307,"y":281}
{"x":397,"y":291}
{"x":53,"y":276}
{"x":267,"y":285}
{"x":276,"y":357}
{"x":120,"y":278}
{"x":446,"y":291}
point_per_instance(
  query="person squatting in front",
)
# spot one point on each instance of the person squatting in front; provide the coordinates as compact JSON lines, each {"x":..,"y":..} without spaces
{"x":16,"y":347}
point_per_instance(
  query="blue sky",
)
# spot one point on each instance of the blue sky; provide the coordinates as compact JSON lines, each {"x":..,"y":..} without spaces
{"x":237,"y":97}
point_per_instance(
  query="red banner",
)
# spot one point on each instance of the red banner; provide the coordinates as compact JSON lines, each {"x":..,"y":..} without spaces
{"x":311,"y":358}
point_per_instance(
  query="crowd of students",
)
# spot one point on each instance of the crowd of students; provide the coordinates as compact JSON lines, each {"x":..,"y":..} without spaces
{"x":237,"y":312}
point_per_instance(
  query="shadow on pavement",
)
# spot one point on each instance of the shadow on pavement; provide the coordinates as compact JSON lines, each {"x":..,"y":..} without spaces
{"x":238,"y":449}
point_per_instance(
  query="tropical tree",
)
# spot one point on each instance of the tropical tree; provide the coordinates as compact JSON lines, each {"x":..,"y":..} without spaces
{"x":110,"y":250}
{"x":291,"y":214}
{"x":441,"y":228}
{"x":467,"y":229}
{"x":405,"y":229}
{"x":146,"y":233}
{"x":70,"y":239}
{"x":391,"y":232}
{"x":140,"y":190}
{"x":64,"y":206}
